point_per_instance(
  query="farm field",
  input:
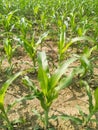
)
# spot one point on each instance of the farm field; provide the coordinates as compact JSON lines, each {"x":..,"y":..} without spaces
{"x":49,"y":65}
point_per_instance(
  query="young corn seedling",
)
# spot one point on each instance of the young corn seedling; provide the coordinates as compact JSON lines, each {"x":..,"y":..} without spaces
{"x":62,"y":42}
{"x":82,"y":69}
{"x":8,"y":22}
{"x":3,"y":90}
{"x":6,"y":6}
{"x":9,"y":50}
{"x":43,"y":20}
{"x":93,"y":107}
{"x":32,"y":46}
{"x":24,"y":26}
{"x":85,"y":118}
{"x":72,"y":21}
{"x":86,"y":61}
{"x":50,"y":85}
{"x":63,"y":46}
{"x":84,"y":26}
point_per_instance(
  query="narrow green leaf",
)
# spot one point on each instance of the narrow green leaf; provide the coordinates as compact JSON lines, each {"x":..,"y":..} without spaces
{"x":65,"y":82}
{"x":74,"y":119}
{"x":96,"y":99}
{"x":42,"y":37}
{"x":89,"y":95}
{"x":43,"y":71}
{"x":27,"y":97}
{"x":86,"y":62}
{"x":6,"y":85}
{"x":60,"y":71}
{"x":76,"y":39}
{"x":43,"y":79}
{"x":10,"y":15}
{"x":29,"y":83}
{"x":80,"y":111}
{"x":42,"y":61}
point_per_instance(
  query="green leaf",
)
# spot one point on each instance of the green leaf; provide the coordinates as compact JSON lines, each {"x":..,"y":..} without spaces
{"x":29,"y":48}
{"x":74,"y":119}
{"x":60,"y":71}
{"x":65,"y":82}
{"x":87,"y":51}
{"x":42,"y":37}
{"x":9,"y":16}
{"x":80,"y":111}
{"x":89,"y":95}
{"x":29,"y":83}
{"x":76,"y":39}
{"x":5,"y":87}
{"x":85,"y":62}
{"x":43,"y":71}
{"x":42,"y":61}
{"x":27,"y":97}
{"x":96,"y":99}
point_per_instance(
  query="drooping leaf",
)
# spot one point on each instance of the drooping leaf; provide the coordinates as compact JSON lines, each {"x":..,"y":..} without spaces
{"x":60,"y":71}
{"x":76,"y":39}
{"x":72,"y":118}
{"x":65,"y":82}
{"x":5,"y":87}
{"x":29,"y":83}
{"x":27,"y":97}
{"x":42,"y":37}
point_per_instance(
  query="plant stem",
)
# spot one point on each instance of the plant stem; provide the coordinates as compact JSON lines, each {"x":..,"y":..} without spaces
{"x":46,"y":118}
{"x":89,"y":118}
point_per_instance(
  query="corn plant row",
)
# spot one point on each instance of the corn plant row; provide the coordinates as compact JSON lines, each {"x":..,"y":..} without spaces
{"x":50,"y":85}
{"x":70,"y":26}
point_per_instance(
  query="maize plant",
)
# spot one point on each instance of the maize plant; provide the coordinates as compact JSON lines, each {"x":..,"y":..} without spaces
{"x":50,"y":85}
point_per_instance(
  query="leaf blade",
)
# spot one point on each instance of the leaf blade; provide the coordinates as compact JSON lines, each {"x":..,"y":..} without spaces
{"x":60,"y":71}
